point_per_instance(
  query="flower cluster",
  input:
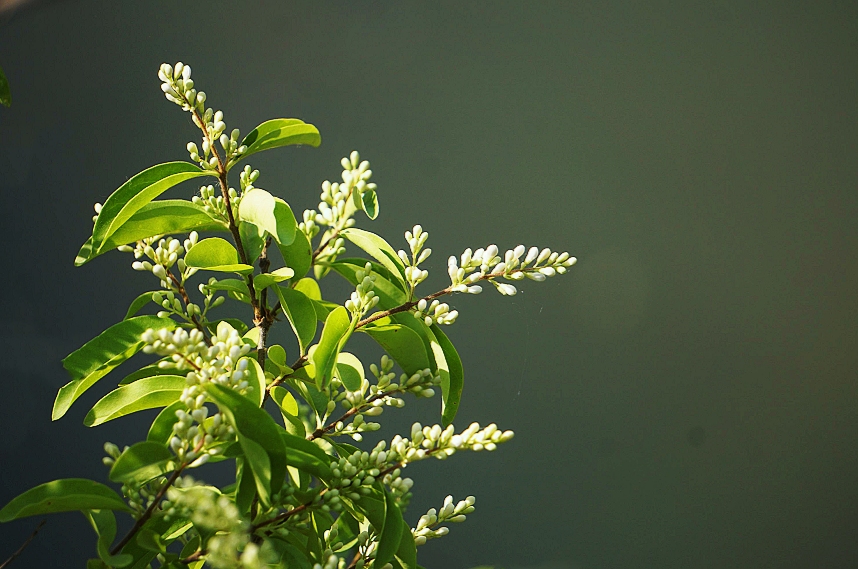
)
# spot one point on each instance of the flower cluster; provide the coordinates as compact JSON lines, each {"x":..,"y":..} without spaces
{"x":436,"y":312}
{"x":416,"y":239}
{"x":427,"y":525}
{"x":196,"y":436}
{"x":162,"y":255}
{"x":178,"y":87}
{"x":485,"y":264}
{"x":339,"y":201}
{"x":371,"y":399}
{"x":230,"y":547}
{"x":363,"y":299}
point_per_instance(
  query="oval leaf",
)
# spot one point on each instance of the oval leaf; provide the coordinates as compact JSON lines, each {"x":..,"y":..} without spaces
{"x":216,"y":254}
{"x":298,"y":255}
{"x":141,"y":462}
{"x":101,"y":355}
{"x":269,"y":213}
{"x":305,"y":455}
{"x":403,"y":344}
{"x":391,"y":532}
{"x":138,"y":303}
{"x":350,"y":371}
{"x":301,"y":314}
{"x":336,"y":330}
{"x":165,"y":217}
{"x":66,"y":495}
{"x":258,"y":436}
{"x":141,"y":189}
{"x":146,"y":393}
{"x":280,"y":132}
{"x":386,"y":286}
{"x":378,"y":249}
{"x":289,"y":410}
{"x":452,"y":374}
{"x":265,"y":280}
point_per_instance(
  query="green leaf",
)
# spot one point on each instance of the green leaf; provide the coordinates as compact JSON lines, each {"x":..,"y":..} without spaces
{"x":138,"y":304}
{"x":136,"y":193}
{"x":452,"y":374}
{"x":5,"y":94}
{"x":402,"y":343}
{"x":258,"y":436}
{"x":280,"y":132}
{"x":265,"y":280}
{"x":305,"y":455}
{"x":256,"y":380}
{"x":253,"y":240}
{"x":301,"y":314}
{"x":298,"y":255}
{"x":104,"y":524}
{"x":289,"y":410}
{"x":387,"y":287}
{"x":378,"y":249}
{"x":142,"y":462}
{"x":391,"y":532}
{"x":165,"y":217}
{"x":236,"y":287}
{"x":147,"y":393}
{"x":246,"y":486}
{"x":350,"y":371}
{"x":101,"y":355}
{"x":309,"y":287}
{"x":334,"y":334}
{"x":234,"y":322}
{"x":162,"y":427}
{"x":277,"y":354}
{"x":369,"y":203}
{"x":269,"y":213}
{"x":147,"y":371}
{"x":216,"y":254}
{"x":66,"y":495}
{"x":406,"y":554}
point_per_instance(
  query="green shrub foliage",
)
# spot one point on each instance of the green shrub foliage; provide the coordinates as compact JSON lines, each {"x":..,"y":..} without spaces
{"x":305,"y":495}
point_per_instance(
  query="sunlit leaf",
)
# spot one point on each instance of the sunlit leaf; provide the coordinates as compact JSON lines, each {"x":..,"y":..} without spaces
{"x":162,"y":427}
{"x":269,"y":213}
{"x":165,"y":217}
{"x":289,"y":409}
{"x":452,"y":374}
{"x":301,"y":314}
{"x":141,"y":462}
{"x":147,"y":393}
{"x":141,"y":189}
{"x":350,"y":371}
{"x":378,"y":249}
{"x":265,"y":280}
{"x":101,"y":355}
{"x":66,"y":495}
{"x":298,"y":255}
{"x":216,"y":254}
{"x":402,"y":343}
{"x":336,"y":330}
{"x":280,"y":132}
{"x":387,"y":287}
{"x":236,"y":287}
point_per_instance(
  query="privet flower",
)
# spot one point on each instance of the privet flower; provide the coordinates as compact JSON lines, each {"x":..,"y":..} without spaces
{"x":428,"y":525}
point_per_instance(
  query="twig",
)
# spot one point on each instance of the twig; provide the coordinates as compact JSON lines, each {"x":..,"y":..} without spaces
{"x":23,"y":546}
{"x":148,"y":513}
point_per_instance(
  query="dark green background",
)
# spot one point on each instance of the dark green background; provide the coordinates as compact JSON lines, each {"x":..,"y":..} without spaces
{"x":685,"y":397}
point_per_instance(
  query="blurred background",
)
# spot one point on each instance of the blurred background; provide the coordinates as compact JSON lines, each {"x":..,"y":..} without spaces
{"x":685,"y":397}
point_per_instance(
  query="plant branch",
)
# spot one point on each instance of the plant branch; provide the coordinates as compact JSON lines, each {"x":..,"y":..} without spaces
{"x":23,"y":545}
{"x":324,"y":244}
{"x":149,"y":511}
{"x":184,"y":294}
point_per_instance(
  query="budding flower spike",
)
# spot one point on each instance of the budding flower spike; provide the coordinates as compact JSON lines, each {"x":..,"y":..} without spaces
{"x":308,"y":490}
